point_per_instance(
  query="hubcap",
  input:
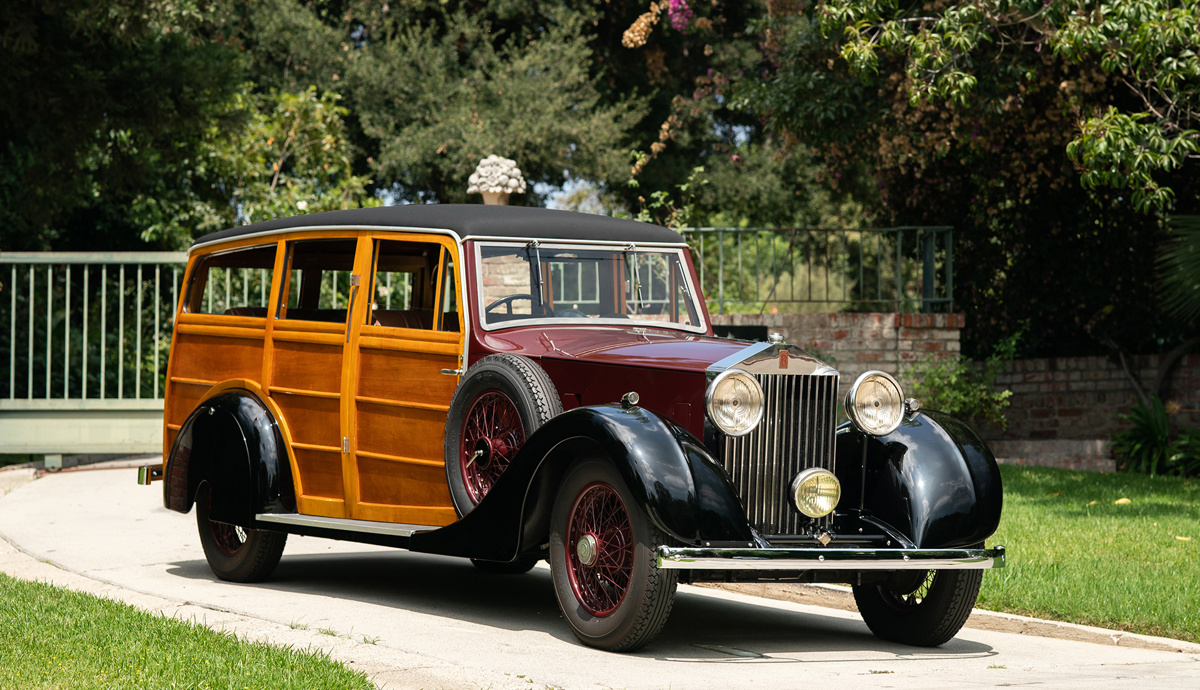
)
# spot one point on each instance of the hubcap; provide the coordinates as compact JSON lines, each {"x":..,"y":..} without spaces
{"x":586,"y":549}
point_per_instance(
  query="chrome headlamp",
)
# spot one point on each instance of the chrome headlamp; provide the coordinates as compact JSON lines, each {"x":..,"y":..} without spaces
{"x":875,"y":403}
{"x":734,"y":401}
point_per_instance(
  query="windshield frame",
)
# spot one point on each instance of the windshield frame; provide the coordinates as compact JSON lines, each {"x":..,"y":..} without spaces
{"x":536,"y":247}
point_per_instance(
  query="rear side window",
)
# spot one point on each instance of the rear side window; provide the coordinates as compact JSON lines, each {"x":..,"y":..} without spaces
{"x":316,"y":285}
{"x":407,"y":291}
{"x":236,"y":283}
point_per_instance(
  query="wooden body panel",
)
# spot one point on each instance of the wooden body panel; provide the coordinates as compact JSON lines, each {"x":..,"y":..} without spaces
{"x":362,"y":408}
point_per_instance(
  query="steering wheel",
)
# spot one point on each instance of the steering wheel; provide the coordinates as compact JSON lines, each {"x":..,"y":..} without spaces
{"x":507,"y":301}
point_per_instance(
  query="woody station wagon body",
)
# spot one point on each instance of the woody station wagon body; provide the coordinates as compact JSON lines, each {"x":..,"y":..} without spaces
{"x":512,"y":384}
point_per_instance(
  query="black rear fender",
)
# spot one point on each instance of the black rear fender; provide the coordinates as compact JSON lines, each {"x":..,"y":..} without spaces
{"x":232,"y":442}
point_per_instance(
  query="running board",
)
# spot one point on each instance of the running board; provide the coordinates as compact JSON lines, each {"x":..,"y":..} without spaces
{"x":390,"y":529}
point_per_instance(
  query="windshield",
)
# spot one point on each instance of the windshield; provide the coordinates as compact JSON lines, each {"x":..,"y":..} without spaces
{"x":549,"y":283}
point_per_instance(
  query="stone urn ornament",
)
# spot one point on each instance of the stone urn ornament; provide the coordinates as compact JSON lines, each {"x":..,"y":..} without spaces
{"x":495,"y":178}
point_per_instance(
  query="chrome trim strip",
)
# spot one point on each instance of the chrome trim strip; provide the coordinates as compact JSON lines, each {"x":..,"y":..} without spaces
{"x":723,"y":364}
{"x":386,"y":528}
{"x":559,"y":240}
{"x":333,"y":228}
{"x":479,"y":243}
{"x":693,"y":558}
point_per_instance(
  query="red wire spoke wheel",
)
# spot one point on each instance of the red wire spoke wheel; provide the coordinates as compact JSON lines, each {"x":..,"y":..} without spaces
{"x":492,"y":434}
{"x":229,"y":538}
{"x":235,"y":553}
{"x":601,"y":562}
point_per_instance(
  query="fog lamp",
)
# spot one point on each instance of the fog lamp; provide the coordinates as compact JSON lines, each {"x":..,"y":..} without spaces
{"x":816,"y":492}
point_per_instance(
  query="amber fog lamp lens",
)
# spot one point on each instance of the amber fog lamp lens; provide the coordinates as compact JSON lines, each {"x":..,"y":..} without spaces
{"x":875,"y":403}
{"x":816,"y":492}
{"x":735,"y":402}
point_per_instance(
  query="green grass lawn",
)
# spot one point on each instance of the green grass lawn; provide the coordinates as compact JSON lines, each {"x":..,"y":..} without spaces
{"x":54,"y":638}
{"x":1080,"y":552}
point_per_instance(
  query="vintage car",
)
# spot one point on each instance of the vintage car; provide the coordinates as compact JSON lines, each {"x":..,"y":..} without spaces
{"x":512,"y":385}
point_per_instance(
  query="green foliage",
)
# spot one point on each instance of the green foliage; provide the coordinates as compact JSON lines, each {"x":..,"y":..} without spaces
{"x":946,"y":52}
{"x":101,"y":100}
{"x":1077,"y":554}
{"x":1179,"y":266}
{"x":995,"y":167}
{"x":45,"y":631}
{"x":438,"y":96}
{"x":1149,"y":447}
{"x":962,"y":388}
{"x":287,"y":155}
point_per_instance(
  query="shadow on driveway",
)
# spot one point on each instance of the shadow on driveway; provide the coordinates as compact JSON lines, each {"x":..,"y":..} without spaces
{"x":701,"y":628}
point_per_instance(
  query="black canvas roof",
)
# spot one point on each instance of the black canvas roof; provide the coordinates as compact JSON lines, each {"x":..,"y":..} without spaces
{"x":467,"y":220}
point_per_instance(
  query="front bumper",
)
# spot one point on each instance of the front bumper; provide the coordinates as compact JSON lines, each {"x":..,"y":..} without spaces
{"x":694,"y":558}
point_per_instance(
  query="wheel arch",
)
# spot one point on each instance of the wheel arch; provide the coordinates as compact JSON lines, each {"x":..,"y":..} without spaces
{"x":671,"y":476}
{"x":233,"y":441}
{"x":933,"y":479}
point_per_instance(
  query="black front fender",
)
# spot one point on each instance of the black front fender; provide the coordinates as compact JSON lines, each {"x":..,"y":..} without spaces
{"x":674,"y":480}
{"x":932,"y":480}
{"x":232,"y":442}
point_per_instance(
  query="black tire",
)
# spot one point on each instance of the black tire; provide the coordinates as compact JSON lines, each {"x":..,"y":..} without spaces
{"x":629,"y":606}
{"x":932,"y":610}
{"x":235,"y":553}
{"x":515,"y":391}
{"x":517,"y":567}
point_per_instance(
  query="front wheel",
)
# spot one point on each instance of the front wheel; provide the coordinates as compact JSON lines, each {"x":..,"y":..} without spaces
{"x":922,"y":608}
{"x":603,"y":562}
{"x":235,"y":553}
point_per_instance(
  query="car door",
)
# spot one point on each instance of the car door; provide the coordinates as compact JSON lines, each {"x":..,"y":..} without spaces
{"x":305,"y":366}
{"x":407,"y":346}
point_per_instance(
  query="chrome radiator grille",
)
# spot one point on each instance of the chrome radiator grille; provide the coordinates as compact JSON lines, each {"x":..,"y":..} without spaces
{"x":797,"y":432}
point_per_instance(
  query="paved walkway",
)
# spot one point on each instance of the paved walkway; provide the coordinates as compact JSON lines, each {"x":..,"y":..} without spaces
{"x":411,"y":620}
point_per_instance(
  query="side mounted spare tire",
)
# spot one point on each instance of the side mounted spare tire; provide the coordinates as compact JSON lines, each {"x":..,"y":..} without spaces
{"x":499,"y":403}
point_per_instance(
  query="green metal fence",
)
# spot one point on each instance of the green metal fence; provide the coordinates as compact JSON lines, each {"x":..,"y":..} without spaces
{"x":86,"y":349}
{"x":899,"y":269}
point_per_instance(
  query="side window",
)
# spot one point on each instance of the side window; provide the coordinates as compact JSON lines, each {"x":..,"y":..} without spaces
{"x":316,"y":286}
{"x":404,"y":288}
{"x":237,"y":283}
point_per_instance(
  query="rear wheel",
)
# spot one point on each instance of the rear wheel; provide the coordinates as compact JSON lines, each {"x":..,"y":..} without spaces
{"x":235,"y":553}
{"x":603,"y":562}
{"x":924,"y":609}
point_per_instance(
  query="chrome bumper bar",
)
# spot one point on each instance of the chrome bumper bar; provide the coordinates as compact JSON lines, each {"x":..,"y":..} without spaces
{"x":693,"y":558}
{"x":149,"y":473}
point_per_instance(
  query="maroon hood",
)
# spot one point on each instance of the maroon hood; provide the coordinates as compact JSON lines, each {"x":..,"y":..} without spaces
{"x":637,"y":347}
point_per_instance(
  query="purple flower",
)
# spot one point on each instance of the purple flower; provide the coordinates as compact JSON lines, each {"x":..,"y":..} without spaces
{"x":680,"y":15}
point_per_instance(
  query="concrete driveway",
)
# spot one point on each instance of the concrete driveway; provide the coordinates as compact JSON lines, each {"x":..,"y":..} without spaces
{"x":411,"y":620}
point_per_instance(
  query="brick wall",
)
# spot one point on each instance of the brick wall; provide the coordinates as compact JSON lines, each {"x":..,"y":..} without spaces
{"x":1076,"y":397}
{"x":854,"y":343}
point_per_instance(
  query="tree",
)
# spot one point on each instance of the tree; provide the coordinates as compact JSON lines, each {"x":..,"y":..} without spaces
{"x":547,"y":83}
{"x":286,"y":156}
{"x":1034,"y":248}
{"x":1148,"y":47}
{"x":100,"y":99}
